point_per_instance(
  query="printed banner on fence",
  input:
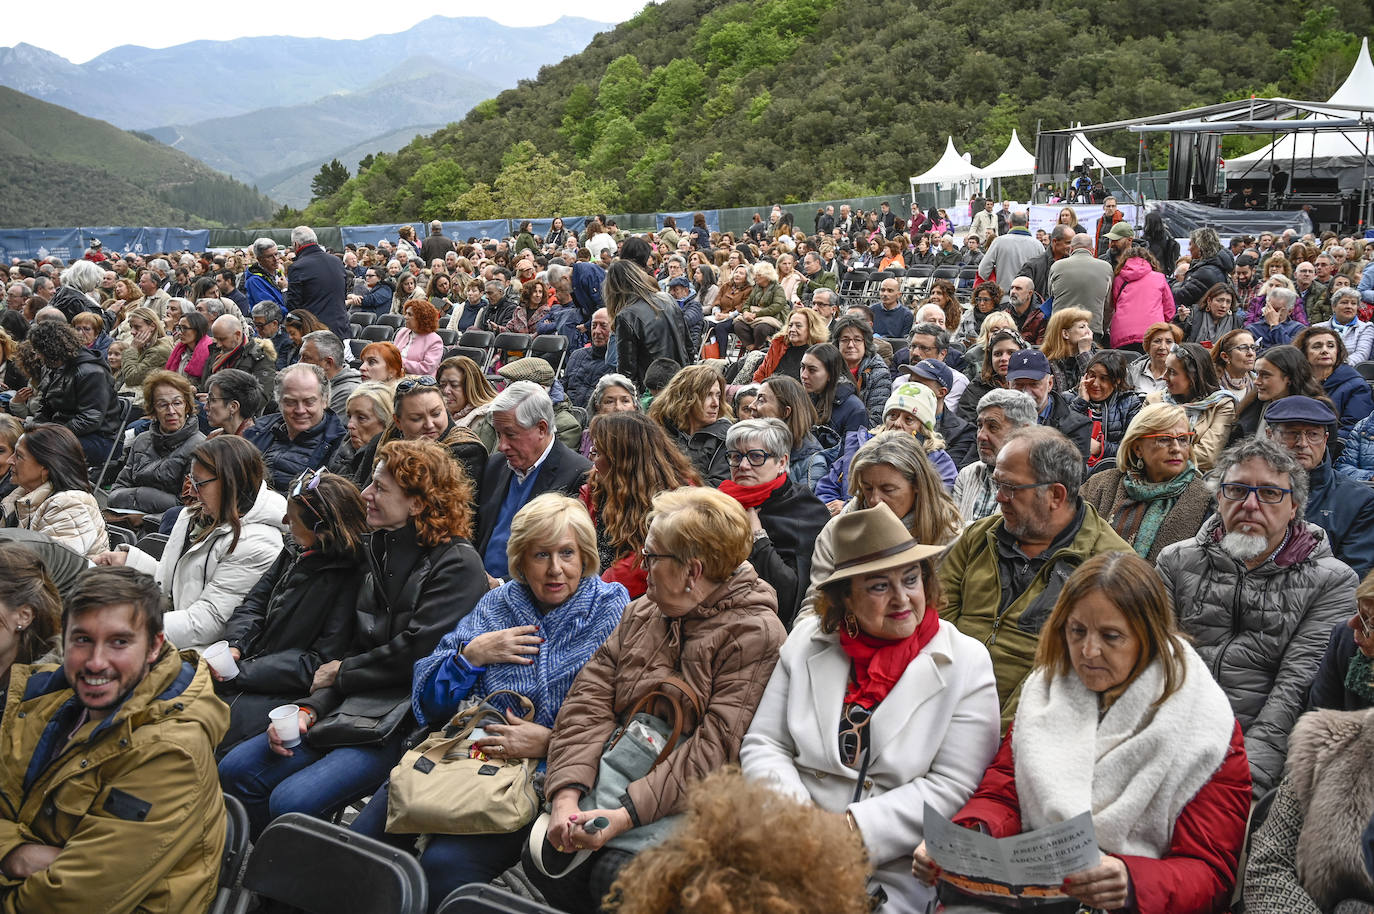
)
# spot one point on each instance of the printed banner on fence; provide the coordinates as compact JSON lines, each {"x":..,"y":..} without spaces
{"x":36,"y":244}
{"x":1023,"y":871}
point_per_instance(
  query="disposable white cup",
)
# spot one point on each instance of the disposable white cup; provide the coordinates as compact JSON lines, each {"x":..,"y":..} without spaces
{"x":286,"y":723}
{"x":220,"y":660}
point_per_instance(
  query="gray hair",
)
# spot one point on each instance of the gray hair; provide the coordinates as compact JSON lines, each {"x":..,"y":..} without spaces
{"x":267,"y":310}
{"x":529,"y":401}
{"x":1017,"y":406}
{"x":162,"y":266}
{"x":940,"y":334}
{"x":771,"y":434}
{"x":18,"y":287}
{"x":1081,"y":241}
{"x":262,"y":246}
{"x":1052,"y":456}
{"x":314,"y":371}
{"x":1206,"y":240}
{"x":303,"y":234}
{"x":608,"y":381}
{"x":327,"y":345}
{"x":1347,"y":292}
{"x":1020,"y":217}
{"x":376,"y":393}
{"x":1061,"y":231}
{"x":557,"y":272}
{"x":1274,"y":455}
{"x":83,"y":276}
{"x":215,"y":307}
{"x":1281,"y":296}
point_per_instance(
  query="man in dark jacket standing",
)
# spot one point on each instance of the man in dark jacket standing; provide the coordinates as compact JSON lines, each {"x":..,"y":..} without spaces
{"x":1211,"y":264}
{"x":317,"y":282}
{"x":436,"y":245}
{"x":1029,"y":372}
{"x":1038,"y":268}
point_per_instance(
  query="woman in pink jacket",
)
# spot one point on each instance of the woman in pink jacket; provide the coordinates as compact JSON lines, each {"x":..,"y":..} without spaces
{"x":421,"y":348}
{"x":1140,"y":297}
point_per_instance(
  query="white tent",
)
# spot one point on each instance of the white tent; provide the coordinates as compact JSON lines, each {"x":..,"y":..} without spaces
{"x":952,"y":168}
{"x":1337,"y":154}
{"x":1081,"y":150}
{"x":1014,"y":161}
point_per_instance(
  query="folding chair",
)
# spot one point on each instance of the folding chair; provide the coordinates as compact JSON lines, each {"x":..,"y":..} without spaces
{"x":853,"y":282}
{"x":552,"y":348}
{"x":120,"y":536}
{"x":360,"y":318}
{"x":154,"y":544}
{"x":322,"y":868}
{"x":506,"y":346}
{"x":450,"y":337}
{"x":481,"y":898}
{"x":126,"y":410}
{"x":377,"y":333}
{"x":235,"y":849}
{"x":394,"y":321}
{"x":356,"y":347}
{"x":484,"y":340}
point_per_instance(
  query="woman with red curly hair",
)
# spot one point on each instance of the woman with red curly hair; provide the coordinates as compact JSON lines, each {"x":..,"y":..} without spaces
{"x":421,"y":348}
{"x":422,"y":577}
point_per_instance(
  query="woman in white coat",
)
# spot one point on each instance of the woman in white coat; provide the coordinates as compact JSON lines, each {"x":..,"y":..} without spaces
{"x":219,"y":547}
{"x":876,"y":706}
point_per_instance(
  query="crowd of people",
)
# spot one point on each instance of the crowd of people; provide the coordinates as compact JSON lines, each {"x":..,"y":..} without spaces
{"x":1087,"y":529}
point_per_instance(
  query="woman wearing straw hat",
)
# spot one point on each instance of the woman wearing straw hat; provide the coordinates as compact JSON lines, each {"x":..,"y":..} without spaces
{"x":876,"y":706}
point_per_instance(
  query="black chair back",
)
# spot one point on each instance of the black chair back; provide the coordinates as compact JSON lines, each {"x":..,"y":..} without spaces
{"x":235,"y":849}
{"x":377,"y":333}
{"x":395,"y":321}
{"x":480,"y":898}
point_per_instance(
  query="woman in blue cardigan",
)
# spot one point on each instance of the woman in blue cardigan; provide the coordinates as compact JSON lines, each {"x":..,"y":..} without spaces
{"x":531,"y":635}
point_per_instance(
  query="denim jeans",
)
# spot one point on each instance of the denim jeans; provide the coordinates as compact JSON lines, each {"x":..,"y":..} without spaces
{"x":312,"y":781}
{"x":449,"y":861}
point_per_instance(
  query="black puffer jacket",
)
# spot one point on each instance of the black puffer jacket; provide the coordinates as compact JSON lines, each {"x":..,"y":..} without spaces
{"x":287,"y":459}
{"x":705,"y":449}
{"x":298,"y":617}
{"x":1202,"y":276}
{"x":159,"y":460}
{"x":412,"y":597}
{"x":793,"y":518}
{"x":644,"y":332}
{"x":81,"y":396}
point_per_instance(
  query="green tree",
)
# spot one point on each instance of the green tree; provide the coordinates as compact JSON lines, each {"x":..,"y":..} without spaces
{"x":365,"y":163}
{"x":331,"y":177}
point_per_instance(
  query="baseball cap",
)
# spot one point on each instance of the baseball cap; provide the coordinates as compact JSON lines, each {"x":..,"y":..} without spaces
{"x":1029,"y":364}
{"x":679,"y":281}
{"x":932,"y":370}
{"x":1121,"y":230}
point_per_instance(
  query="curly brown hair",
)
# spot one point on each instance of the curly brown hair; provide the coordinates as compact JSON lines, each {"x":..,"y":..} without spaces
{"x":687,"y":388}
{"x":724,"y":858}
{"x":426,"y":315}
{"x":425,"y":470}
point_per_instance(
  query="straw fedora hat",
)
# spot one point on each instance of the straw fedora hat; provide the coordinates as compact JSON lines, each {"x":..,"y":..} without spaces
{"x":872,"y":540}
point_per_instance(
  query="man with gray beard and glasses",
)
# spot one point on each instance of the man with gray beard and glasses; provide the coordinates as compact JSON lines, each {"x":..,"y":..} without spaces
{"x":1259,"y":591}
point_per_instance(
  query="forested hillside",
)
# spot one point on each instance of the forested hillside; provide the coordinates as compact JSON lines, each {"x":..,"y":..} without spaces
{"x":59,"y":168}
{"x":709,"y":103}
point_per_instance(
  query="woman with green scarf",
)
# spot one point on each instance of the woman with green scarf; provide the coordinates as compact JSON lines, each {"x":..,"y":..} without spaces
{"x":1155,"y":496}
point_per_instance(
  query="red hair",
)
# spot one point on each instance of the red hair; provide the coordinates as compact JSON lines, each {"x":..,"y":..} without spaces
{"x":426,"y":315}
{"x":389,"y":354}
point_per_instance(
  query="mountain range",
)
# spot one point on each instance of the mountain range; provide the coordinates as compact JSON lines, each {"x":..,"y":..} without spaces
{"x":270,"y":110}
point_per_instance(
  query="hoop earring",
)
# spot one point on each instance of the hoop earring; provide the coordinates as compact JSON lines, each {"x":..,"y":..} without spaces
{"x":851,"y":625}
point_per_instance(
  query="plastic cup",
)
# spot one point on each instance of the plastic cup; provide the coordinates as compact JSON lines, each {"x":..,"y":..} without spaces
{"x":286,"y":723}
{"x":220,"y":660}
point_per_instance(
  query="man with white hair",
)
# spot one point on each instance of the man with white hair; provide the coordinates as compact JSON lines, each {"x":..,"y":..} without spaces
{"x":233,"y":348}
{"x":436,"y":246}
{"x":304,"y":433}
{"x":1010,"y":252}
{"x":317,"y":282}
{"x":530,"y":461}
{"x":260,"y":280}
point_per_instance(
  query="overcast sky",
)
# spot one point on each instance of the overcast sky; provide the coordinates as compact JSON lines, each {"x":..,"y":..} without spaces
{"x":89,"y":30}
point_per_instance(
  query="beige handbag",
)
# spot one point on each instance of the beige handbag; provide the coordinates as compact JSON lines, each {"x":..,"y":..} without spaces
{"x":446,"y":787}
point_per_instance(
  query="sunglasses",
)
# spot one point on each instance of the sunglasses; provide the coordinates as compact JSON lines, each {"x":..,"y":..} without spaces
{"x":409,"y":384}
{"x":853,"y":733}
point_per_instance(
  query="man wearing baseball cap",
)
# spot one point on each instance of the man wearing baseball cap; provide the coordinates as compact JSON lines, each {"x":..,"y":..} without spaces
{"x":1029,"y":372}
{"x":1118,"y":241}
{"x":960,"y":436}
{"x":1338,"y":504}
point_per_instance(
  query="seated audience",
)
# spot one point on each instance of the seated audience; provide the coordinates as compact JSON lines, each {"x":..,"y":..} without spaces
{"x":1146,"y":374}
{"x":466,"y":390}
{"x":1155,"y":495}
{"x":1000,"y":413}
{"x":147,"y":350}
{"x":191,"y":351}
{"x":232,"y":403}
{"x":1357,"y":335}
{"x":367,"y":415}
{"x":1345,"y":677}
{"x":137,"y":723}
{"x":1069,"y":346}
{"x":530,"y":636}
{"x":918,"y":714}
{"x":1347,"y":391}
{"x":52,"y":492}
{"x":853,"y":336}
{"x":994,"y":358}
{"x":804,"y":329}
{"x":422,"y":577}
{"x":30,"y":612}
{"x":1233,"y":357}
{"x":155,"y":466}
{"x":1257,"y":552}
{"x":1107,"y":400}
{"x":690,"y":409}
{"x":418,"y":411}
{"x":1120,"y":717}
{"x":785,"y":518}
{"x":381,"y":362}
{"x":303,"y":434}
{"x":1283,"y":371}
{"x":706,"y":618}
{"x":421,"y":348}
{"x":299,"y":614}
{"x":786,"y":399}
{"x":828,"y":382}
{"x":1191,"y":382}
{"x":1003,"y":574}
{"x":233,"y":348}
{"x":613,"y":393}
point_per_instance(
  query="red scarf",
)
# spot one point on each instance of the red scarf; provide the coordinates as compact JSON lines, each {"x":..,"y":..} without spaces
{"x":752,"y":496}
{"x":879,"y":663}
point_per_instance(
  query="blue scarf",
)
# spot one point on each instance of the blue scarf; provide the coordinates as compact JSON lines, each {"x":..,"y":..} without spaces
{"x":572,"y":632}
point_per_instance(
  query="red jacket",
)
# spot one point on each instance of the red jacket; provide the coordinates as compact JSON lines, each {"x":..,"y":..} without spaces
{"x":777,"y":348}
{"x":1197,"y":874}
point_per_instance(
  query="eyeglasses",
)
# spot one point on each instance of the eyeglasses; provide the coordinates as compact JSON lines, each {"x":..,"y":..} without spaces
{"x":1008,"y":490}
{"x":1244,"y":347}
{"x":409,"y":384}
{"x":1167,"y":441}
{"x":855,"y":722}
{"x":757,"y":457}
{"x":168,"y":404}
{"x":1267,"y":495}
{"x":1290,"y":435}
{"x":197,"y":483}
{"x":182,"y":328}
{"x":648,"y":558}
